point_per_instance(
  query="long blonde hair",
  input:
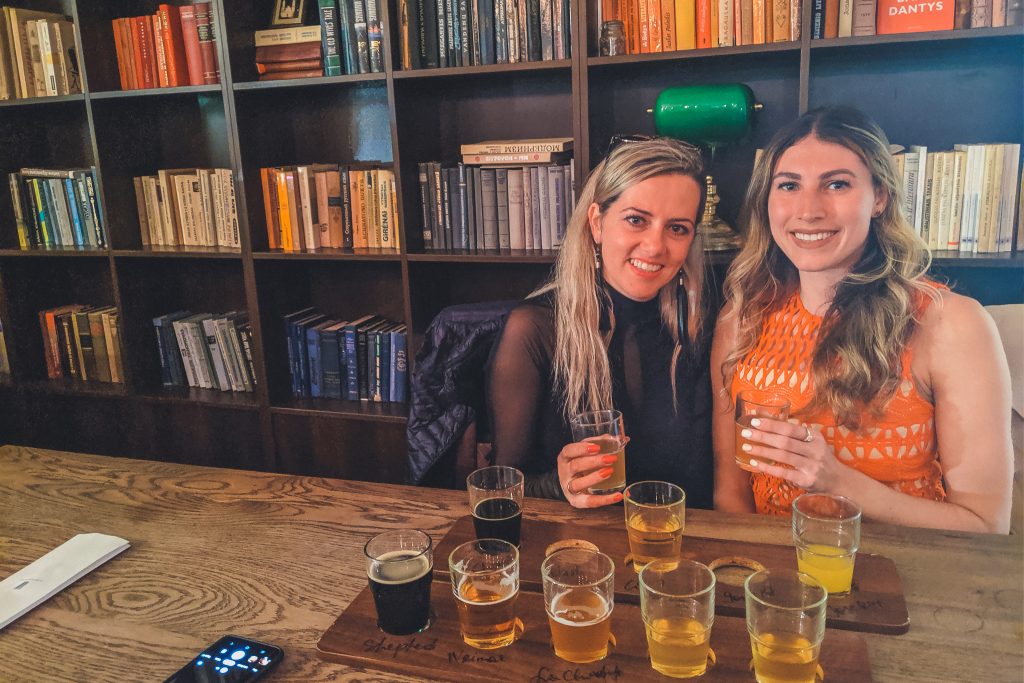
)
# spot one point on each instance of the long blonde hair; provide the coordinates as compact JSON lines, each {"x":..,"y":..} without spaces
{"x":857,"y":362}
{"x":580,"y":364}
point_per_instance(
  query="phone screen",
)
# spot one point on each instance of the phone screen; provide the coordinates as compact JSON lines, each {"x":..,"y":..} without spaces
{"x":230,"y":660}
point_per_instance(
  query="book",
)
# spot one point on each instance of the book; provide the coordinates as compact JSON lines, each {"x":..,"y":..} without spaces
{"x":516,"y":159}
{"x":283,"y":35}
{"x":902,"y":16}
{"x":518,"y":146}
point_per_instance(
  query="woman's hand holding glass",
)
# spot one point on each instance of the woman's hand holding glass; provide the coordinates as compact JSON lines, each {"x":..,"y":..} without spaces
{"x":580,"y":467}
{"x":804,"y":457}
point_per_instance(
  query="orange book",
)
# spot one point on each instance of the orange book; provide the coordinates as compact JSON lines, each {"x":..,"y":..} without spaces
{"x":668,"y":26}
{"x":686,"y":29}
{"x":174,"y":44}
{"x":609,"y":10}
{"x":268,"y":209}
{"x":284,"y":212}
{"x":896,"y":17}
{"x":357,"y":185}
{"x":759,"y":18}
{"x":715,"y":42}
{"x":737,"y":23}
{"x":633,"y":34}
{"x":122,"y":72}
{"x":645,"y":28}
{"x":832,"y":18}
{"x":769,"y":21}
{"x":294,"y":210}
{"x":703,"y":23}
{"x":654,"y":24}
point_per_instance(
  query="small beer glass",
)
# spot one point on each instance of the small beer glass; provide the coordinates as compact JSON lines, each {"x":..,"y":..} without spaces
{"x":677,"y":602}
{"x":579,"y":595}
{"x":826,"y":533}
{"x":786,"y":623}
{"x":606,"y":429}
{"x":496,"y":501}
{"x":485,"y":582}
{"x":655,"y":519}
{"x":400,"y":567}
{"x":751,"y":404}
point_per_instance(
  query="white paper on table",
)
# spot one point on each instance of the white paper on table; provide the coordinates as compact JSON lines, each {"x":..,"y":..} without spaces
{"x":55,"y":571}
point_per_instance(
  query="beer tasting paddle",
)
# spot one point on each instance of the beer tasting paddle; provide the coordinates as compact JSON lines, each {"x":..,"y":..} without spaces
{"x":876,"y":603}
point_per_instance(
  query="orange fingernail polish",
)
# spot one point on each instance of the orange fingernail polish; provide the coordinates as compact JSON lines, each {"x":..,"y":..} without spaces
{"x":606,"y":472}
{"x":593,"y":448}
{"x":609,"y":459}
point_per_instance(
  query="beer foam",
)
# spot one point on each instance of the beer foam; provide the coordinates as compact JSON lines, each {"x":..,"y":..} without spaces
{"x":399,"y":566}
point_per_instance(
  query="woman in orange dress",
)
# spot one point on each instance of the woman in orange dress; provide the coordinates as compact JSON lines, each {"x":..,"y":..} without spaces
{"x":899,"y":388}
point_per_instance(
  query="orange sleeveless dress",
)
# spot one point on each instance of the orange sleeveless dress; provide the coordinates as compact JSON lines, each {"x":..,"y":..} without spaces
{"x":899,"y":449}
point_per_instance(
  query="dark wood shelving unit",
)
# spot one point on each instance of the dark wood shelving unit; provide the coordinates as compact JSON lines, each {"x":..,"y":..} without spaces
{"x":934,"y":89}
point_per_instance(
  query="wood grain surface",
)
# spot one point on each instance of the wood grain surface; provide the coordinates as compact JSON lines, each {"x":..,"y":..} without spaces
{"x":278,"y":558}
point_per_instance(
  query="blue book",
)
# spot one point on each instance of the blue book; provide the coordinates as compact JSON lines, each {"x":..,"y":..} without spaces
{"x":167,"y":341}
{"x":293,"y":353}
{"x":366,"y":353}
{"x":399,"y":378}
{"x":351,"y":355}
{"x":85,"y":210}
{"x":316,"y":368}
{"x":69,"y":187}
{"x":330,"y":360}
{"x":46,"y":191}
{"x":301,"y":346}
{"x":384,"y":361}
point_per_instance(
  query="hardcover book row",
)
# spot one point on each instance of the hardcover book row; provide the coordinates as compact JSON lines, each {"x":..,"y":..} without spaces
{"x":188,"y":207}
{"x":37,"y":54}
{"x":57,"y":208}
{"x":844,"y":18}
{"x":326,"y":205}
{"x":176,"y":46}
{"x":82,"y":343}
{"x":206,"y":351}
{"x":359,"y":360}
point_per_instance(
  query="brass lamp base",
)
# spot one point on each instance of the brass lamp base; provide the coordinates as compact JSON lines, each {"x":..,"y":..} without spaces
{"x":716,"y":233}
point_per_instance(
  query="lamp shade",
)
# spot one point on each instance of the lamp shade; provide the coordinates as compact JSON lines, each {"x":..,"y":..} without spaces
{"x":705,"y":114}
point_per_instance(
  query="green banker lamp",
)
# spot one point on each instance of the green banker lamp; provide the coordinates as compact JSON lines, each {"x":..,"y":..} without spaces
{"x":709,"y":115}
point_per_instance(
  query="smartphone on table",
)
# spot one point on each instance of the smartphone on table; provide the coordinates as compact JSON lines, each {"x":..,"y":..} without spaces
{"x":232,"y":659}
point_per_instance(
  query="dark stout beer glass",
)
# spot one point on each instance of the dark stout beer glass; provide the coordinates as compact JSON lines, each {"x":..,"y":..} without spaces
{"x":400,"y":567}
{"x":496,"y":501}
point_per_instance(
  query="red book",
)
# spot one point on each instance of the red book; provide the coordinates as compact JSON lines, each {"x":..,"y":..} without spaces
{"x":138,"y":51}
{"x":298,"y":65}
{"x":174,"y":44}
{"x":160,"y":50}
{"x":190,"y":38}
{"x":151,"y":60}
{"x":288,"y":53}
{"x":285,"y":75}
{"x":703,"y":23}
{"x":122,"y":69}
{"x":914,"y":16}
{"x":207,"y":43}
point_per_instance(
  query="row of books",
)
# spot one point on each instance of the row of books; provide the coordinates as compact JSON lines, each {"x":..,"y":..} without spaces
{"x":206,"y":351}
{"x":962,"y":200}
{"x":443,"y":33}
{"x":82,"y":343}
{"x":358,"y":360}
{"x":505,"y":194}
{"x":844,"y":18}
{"x":188,"y":207}
{"x":37,"y":54}
{"x":177,"y":46}
{"x":57,"y":208}
{"x":327,"y":205}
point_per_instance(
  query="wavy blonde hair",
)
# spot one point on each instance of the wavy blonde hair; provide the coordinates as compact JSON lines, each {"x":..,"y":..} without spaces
{"x":857,"y":362}
{"x":580,"y":364}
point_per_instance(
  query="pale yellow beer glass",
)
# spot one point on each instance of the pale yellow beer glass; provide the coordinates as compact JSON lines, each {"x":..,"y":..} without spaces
{"x":655,"y":519}
{"x":579,"y":595}
{"x":606,"y":429}
{"x":677,"y":602}
{"x":786,"y":623}
{"x":826,"y":533}
{"x":751,"y":404}
{"x":485,"y":582}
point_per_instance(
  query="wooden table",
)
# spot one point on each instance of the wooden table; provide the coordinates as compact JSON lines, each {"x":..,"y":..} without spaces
{"x":277,"y":558}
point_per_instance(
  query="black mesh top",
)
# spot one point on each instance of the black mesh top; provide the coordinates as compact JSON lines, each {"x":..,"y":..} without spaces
{"x":528,"y":424}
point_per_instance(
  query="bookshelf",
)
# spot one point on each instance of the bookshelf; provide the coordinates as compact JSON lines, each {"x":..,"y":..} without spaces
{"x":923,"y":88}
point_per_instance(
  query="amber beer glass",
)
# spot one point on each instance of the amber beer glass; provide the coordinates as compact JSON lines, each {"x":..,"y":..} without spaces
{"x":786,"y":623}
{"x":655,"y":519}
{"x":400,"y":567}
{"x":579,"y":595}
{"x":677,"y":602}
{"x":485,"y":582}
{"x":496,"y":501}
{"x":604,"y":428}
{"x":751,"y":404}
{"x":826,"y":533}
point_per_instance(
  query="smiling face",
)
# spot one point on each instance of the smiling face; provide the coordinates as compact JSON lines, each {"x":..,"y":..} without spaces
{"x":646,"y":234}
{"x":820,"y":206}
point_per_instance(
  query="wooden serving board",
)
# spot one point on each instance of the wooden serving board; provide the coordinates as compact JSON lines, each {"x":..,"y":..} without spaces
{"x":439,"y":653}
{"x":876,"y":604}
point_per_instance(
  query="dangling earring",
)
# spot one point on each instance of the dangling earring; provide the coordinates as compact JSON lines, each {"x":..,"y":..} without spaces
{"x":682,"y":307}
{"x":597,"y":265}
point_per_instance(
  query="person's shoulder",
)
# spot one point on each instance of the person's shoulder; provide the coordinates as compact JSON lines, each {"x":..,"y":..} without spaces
{"x":954,"y":320}
{"x":531,"y":316}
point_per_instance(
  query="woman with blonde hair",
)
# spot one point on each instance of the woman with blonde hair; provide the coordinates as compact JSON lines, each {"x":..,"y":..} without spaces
{"x":899,"y":388}
{"x":619,"y":325}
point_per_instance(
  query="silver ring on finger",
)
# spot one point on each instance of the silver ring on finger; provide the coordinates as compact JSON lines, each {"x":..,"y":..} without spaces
{"x":809,"y":437}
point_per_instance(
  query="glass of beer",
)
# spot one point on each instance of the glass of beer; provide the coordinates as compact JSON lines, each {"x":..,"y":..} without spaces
{"x":655,"y":519}
{"x":786,"y":622}
{"x":677,"y":602}
{"x":485,"y":582}
{"x":400,"y":566}
{"x":496,"y":500}
{"x":751,"y":404}
{"x":605,"y":428}
{"x":826,"y":532}
{"x":579,"y":595}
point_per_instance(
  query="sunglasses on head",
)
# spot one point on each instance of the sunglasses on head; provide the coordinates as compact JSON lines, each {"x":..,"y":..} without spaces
{"x":617,"y":141}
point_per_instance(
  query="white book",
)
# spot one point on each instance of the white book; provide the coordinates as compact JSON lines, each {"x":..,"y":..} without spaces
{"x":546,"y":229}
{"x":217,"y":208}
{"x":516,"y":220}
{"x":185,"y":349}
{"x":48,"y":57}
{"x":153,"y":217}
{"x":216,"y":354}
{"x":910,"y":168}
{"x":944,"y":204}
{"x":555,"y":199}
{"x":200,"y":350}
{"x":527,"y":210}
{"x":1008,"y":195}
{"x":919,"y":185}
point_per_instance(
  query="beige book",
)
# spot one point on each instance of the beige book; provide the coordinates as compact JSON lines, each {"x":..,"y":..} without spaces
{"x":932,"y":198}
{"x":944,"y":204}
{"x":991,"y":183}
{"x":959,"y":164}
